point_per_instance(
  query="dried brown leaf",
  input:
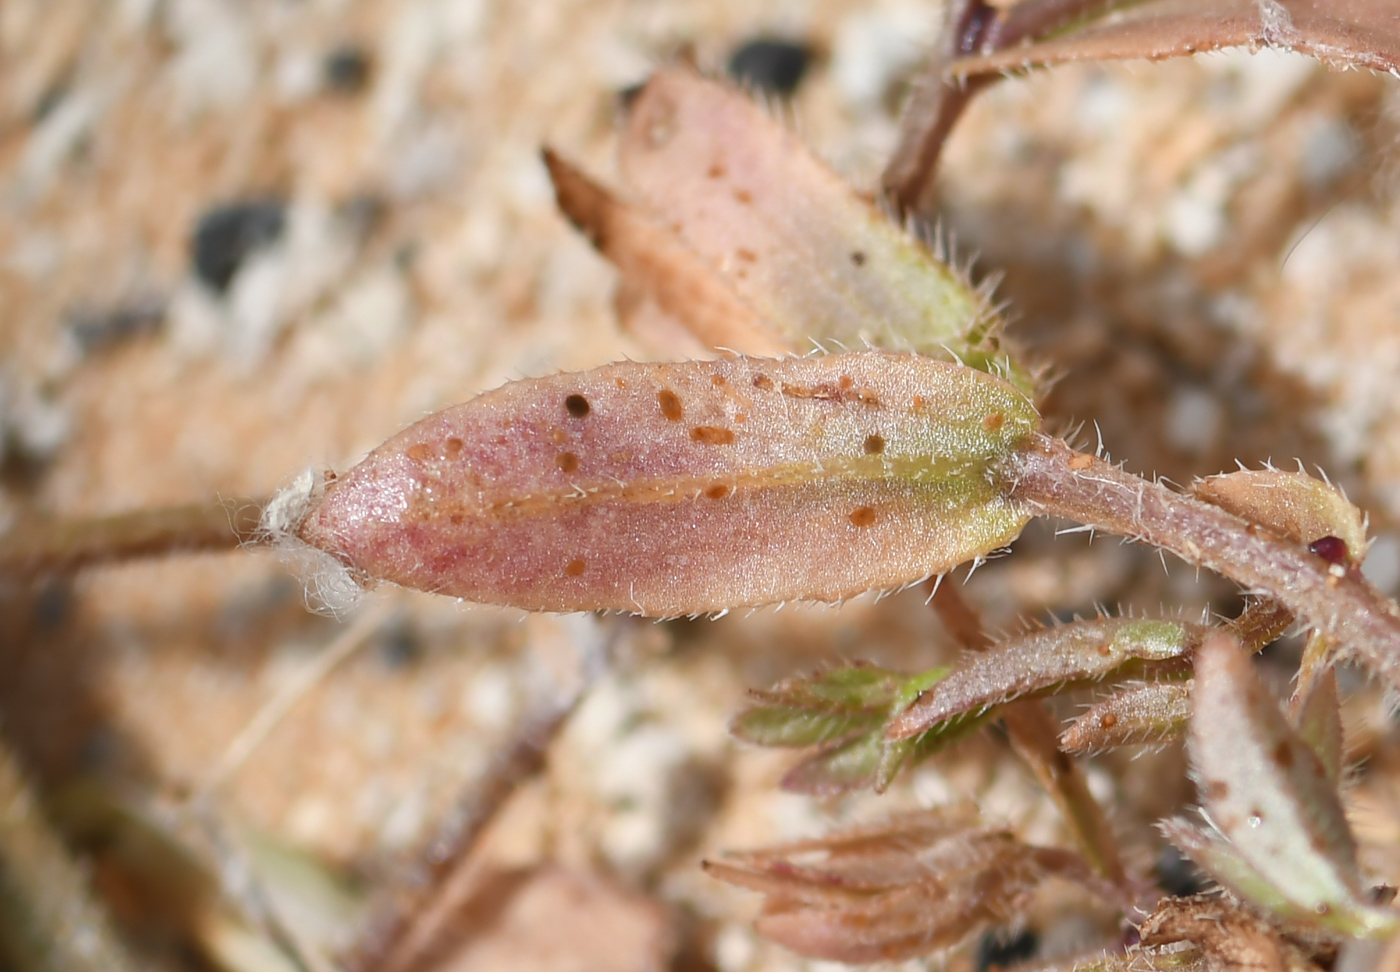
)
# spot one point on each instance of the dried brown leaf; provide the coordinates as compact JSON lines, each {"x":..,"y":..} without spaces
{"x":924,"y":882}
{"x":1229,"y":938}
{"x":652,"y":258}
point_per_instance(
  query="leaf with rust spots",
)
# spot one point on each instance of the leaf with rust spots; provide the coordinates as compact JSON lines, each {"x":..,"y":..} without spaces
{"x":1343,"y":33}
{"x":1281,"y":839}
{"x":921,"y":883}
{"x":793,"y":241}
{"x":1150,"y":715}
{"x":1042,"y":661}
{"x":677,"y":489}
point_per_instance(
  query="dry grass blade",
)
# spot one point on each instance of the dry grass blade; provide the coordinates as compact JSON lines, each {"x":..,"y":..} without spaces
{"x":49,"y":921}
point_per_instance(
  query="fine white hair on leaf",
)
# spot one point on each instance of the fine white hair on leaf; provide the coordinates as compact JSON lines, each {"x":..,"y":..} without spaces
{"x":330,"y":586}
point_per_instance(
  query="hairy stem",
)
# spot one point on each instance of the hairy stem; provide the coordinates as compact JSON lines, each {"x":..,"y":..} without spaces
{"x":40,"y":546}
{"x":1049,"y":478}
{"x":1035,"y":737}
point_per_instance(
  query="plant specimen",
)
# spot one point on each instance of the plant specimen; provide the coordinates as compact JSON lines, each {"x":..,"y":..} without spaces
{"x":909,"y":444}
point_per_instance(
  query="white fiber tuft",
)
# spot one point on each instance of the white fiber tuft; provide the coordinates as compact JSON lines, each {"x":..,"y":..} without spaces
{"x":331,"y":586}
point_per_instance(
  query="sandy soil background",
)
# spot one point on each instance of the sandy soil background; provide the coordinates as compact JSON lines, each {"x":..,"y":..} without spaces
{"x":1207,"y":252}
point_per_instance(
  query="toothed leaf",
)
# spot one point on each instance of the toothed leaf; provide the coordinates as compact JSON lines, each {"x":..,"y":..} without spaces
{"x":676,"y":489}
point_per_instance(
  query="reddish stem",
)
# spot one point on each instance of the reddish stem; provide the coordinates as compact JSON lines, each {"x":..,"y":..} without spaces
{"x":1051,"y":479}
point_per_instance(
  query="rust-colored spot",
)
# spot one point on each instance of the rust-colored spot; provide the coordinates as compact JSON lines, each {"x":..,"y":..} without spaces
{"x":741,"y":417}
{"x":799,"y":391}
{"x":620,"y":383}
{"x":1108,"y":720}
{"x":863,"y":517}
{"x":874,"y":445}
{"x":566,"y":461}
{"x":1103,"y":651}
{"x":453,"y":447}
{"x":1217,"y":789}
{"x":712,"y":435}
{"x":748,"y":256}
{"x":717,"y":491}
{"x":743,"y":196}
{"x":1283,"y":755}
{"x":919,"y":403}
{"x":994,"y":421}
{"x":763,"y":381}
{"x":670,"y":404}
{"x":575,"y":568}
{"x":421,"y":452}
{"x":1081,"y":460}
{"x":718,"y":380}
{"x":577,"y":406}
{"x":845,"y":383}
{"x":858,"y":258}
{"x":456,"y":519}
{"x":716,"y":171}
{"x":558,"y":436}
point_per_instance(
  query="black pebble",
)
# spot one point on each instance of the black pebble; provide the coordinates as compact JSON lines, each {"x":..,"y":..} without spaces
{"x":1177,"y":875}
{"x":770,"y":65}
{"x":96,"y":329}
{"x":1001,"y":947}
{"x":227,"y":234}
{"x":347,"y":69}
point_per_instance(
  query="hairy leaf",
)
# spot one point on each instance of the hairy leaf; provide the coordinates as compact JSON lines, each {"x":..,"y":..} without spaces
{"x":921,"y":883}
{"x":677,"y":489}
{"x":1149,"y":714}
{"x":1067,"y":654}
{"x":797,"y":244}
{"x":1318,"y":718}
{"x":1294,"y":505}
{"x":1283,"y":840}
{"x":843,"y":712}
{"x":1344,"y":33}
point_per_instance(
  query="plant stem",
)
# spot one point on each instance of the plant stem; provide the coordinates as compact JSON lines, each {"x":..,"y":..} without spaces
{"x":41,"y":546}
{"x":1035,"y":737}
{"x":1050,"y":479}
